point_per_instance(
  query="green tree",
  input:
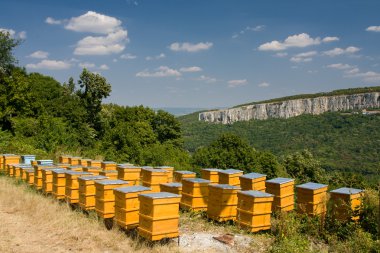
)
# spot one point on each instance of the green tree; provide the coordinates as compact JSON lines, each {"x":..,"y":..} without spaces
{"x":167,"y":128}
{"x":7,"y":45}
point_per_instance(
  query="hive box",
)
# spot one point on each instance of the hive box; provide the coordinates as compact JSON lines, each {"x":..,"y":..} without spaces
{"x":346,"y":203}
{"x":111,"y":174}
{"x":253,"y":181}
{"x":17,"y":169}
{"x":283,"y":191}
{"x":10,"y":159}
{"x":194,"y":194}
{"x":127,"y":205}
{"x":94,"y":163}
{"x":311,"y":198}
{"x":170,"y":171}
{"x":210,"y":174}
{"x":152,"y":178}
{"x":129,"y":173}
{"x":175,"y":188}
{"x":108,"y":165}
{"x":230,"y":177}
{"x":93,"y":170}
{"x":72,"y":185}
{"x":84,"y":162}
{"x":45,"y":162}
{"x":23,"y":172}
{"x":29,"y":176}
{"x":74,"y":160}
{"x":2,"y":158}
{"x":105,"y":197}
{"x":64,"y":159}
{"x":63,"y":165}
{"x":222,"y":202}
{"x":47,"y":179}
{"x":87,"y":191}
{"x":27,"y":159}
{"x":182,"y":174}
{"x":59,"y":183}
{"x":159,"y":215}
{"x":254,"y":210}
{"x":38,"y":174}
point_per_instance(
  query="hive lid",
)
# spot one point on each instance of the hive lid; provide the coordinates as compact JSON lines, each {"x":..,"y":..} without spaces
{"x":93,"y":168}
{"x":345,"y":190}
{"x":71,"y":172}
{"x":184,"y":172}
{"x":257,"y":194}
{"x":63,"y":164}
{"x":197,"y":180}
{"x":230,"y":171}
{"x":132,"y":189}
{"x":164,"y":167}
{"x":147,"y":167}
{"x":154,"y":170}
{"x":93,"y":177}
{"x":29,"y":156}
{"x":253,"y":175}
{"x":110,"y":171}
{"x":8,"y":155}
{"x":111,"y":181}
{"x":172,"y":184}
{"x":212,"y":169}
{"x":125,"y":166}
{"x":59,"y":170}
{"x":44,"y":161}
{"x":75,"y":166}
{"x":160,"y":195}
{"x":108,"y":162}
{"x":225,"y":186}
{"x":96,"y":161}
{"x":280,"y":180}
{"x":29,"y":170}
{"x":75,"y":157}
{"x":312,"y":186}
{"x":24,"y":166}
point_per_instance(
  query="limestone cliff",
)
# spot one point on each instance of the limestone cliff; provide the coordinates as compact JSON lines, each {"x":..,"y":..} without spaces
{"x":292,"y":108}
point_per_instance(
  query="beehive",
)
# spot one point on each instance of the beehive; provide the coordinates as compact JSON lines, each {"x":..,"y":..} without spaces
{"x":18,"y":170}
{"x":175,"y":188}
{"x":47,"y":179}
{"x":108,"y":165}
{"x":14,"y":170}
{"x":45,"y":162}
{"x":93,"y":170}
{"x":346,"y":203}
{"x":222,"y":202}
{"x":63,"y":165}
{"x":87,"y":191}
{"x":72,"y":185}
{"x":38,"y":174}
{"x":59,"y":183}
{"x":94,"y":163}
{"x":152,"y":178}
{"x":253,"y":181}
{"x":182,"y":174}
{"x":23,"y":172}
{"x":74,"y":160}
{"x":159,"y":215}
{"x":111,"y":174}
{"x":29,"y":176}
{"x":311,"y":198}
{"x":10,"y":159}
{"x":194,"y":194}
{"x":170,"y":171}
{"x":34,"y":162}
{"x":210,"y":174}
{"x":127,"y":205}
{"x":84,"y":162}
{"x":75,"y":167}
{"x":254,"y":210}
{"x":27,"y":159}
{"x":105,"y":198}
{"x":64,"y":159}
{"x":2,"y":159}
{"x":9,"y":169}
{"x":230,"y":176}
{"x":129,"y":173}
{"x":283,"y":191}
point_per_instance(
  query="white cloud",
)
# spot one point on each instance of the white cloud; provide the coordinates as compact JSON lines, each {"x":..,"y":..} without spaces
{"x":104,"y":67}
{"x":369,"y":76}
{"x":189,"y":47}
{"x":52,"y":21}
{"x":128,"y":56}
{"x":157,"y":57}
{"x":330,"y":39}
{"x":206,"y":79}
{"x":373,"y":29}
{"x":87,"y":65}
{"x":340,"y":66}
{"x":190,"y":69}
{"x":39,"y":55}
{"x":12,"y":33}
{"x":263,"y":84}
{"x":50,"y":65}
{"x":236,"y":83}
{"x":284,"y":54}
{"x":297,"y":40}
{"x":340,"y":51}
{"x":162,"y":71}
{"x":94,"y":22}
{"x":257,"y":28}
{"x":303,"y":57}
{"x":22,"y":35}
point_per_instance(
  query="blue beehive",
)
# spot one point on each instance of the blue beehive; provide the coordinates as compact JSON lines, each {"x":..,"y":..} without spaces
{"x":45,"y":162}
{"x":27,"y":159}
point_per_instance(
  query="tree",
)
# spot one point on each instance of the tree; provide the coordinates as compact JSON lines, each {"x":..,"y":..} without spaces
{"x":167,"y":128}
{"x":7,"y":59}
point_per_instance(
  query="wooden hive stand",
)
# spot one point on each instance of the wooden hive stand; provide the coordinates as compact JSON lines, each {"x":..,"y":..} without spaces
{"x":152,"y":178}
{"x":311,"y":198}
{"x":346,"y":203}
{"x":59,"y":183}
{"x":222,"y":202}
{"x":230,"y":176}
{"x":175,"y":188}
{"x":254,"y":210}
{"x":87,"y":191}
{"x":72,"y":185}
{"x":179,"y":175}
{"x":210,"y":174}
{"x":194,"y":194}
{"x":170,"y":171}
{"x":283,"y":191}
{"x":253,"y":181}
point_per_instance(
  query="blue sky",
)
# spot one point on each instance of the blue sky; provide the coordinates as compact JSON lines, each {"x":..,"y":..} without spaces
{"x":214,"y":53}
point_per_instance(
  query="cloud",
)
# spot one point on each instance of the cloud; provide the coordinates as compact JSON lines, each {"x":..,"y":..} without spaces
{"x":263,"y":85}
{"x":52,"y":21}
{"x":49,"y":65}
{"x":330,"y":39}
{"x":39,"y":55}
{"x":128,"y":56}
{"x":162,"y":71}
{"x":340,"y":51}
{"x":157,"y":57}
{"x":373,"y":29}
{"x":94,"y":22}
{"x":189,"y":47}
{"x":284,"y":54}
{"x":340,"y":66}
{"x":190,"y":69}
{"x":87,"y":65}
{"x":104,"y":67}
{"x":303,"y":57}
{"x":206,"y":79}
{"x":236,"y":83}
{"x":369,"y":76}
{"x":257,"y":28}
{"x":12,"y":33}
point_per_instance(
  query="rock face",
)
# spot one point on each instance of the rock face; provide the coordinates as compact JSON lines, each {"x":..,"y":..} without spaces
{"x":292,"y":108}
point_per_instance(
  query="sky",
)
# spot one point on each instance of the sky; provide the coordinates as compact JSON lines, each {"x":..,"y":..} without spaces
{"x":200,"y":53}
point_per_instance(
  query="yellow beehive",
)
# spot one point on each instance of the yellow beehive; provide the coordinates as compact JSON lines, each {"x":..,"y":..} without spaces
{"x":182,"y":174}
{"x":84,"y":161}
{"x":38,"y":175}
{"x":34,"y":162}
{"x":129,"y":173}
{"x":283,"y":191}
{"x":17,"y":170}
{"x":175,"y":188}
{"x":10,"y":159}
{"x":194,"y":194}
{"x":230,"y":177}
{"x":254,"y":210}
{"x":63,"y":165}
{"x":346,"y":203}
{"x":105,"y":198}
{"x":311,"y":198}
{"x":75,"y":168}
{"x":23,"y":172}
{"x":74,"y":160}
{"x":93,"y":170}
{"x":59,"y":183}
{"x":29,"y":176}
{"x":108,"y":165}
{"x":64,"y":159}
{"x":170,"y":171}
{"x":111,"y":174}
{"x":152,"y":178}
{"x":94,"y":163}
{"x":72,"y":185}
{"x":159,"y":215}
{"x":253,"y":181}
{"x":87,"y":191}
{"x":47,"y":180}
{"x":127,"y":205}
{"x":210,"y":174}
{"x":10,"y":169}
{"x":222,"y":202}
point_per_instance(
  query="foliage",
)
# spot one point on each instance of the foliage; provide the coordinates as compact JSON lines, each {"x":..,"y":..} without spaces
{"x":7,"y":44}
